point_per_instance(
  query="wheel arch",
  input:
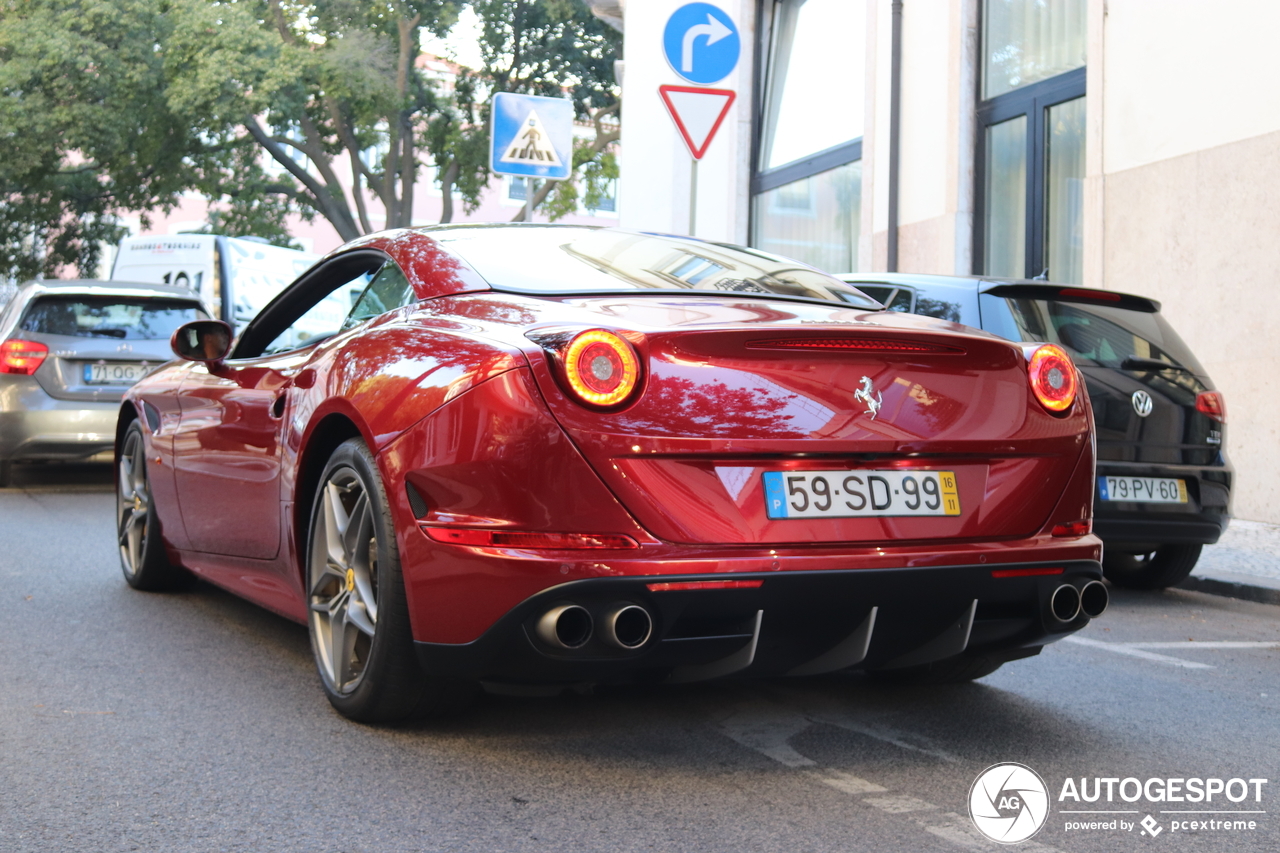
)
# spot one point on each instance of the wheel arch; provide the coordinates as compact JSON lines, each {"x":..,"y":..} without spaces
{"x":324,"y":437}
{"x":128,"y":414}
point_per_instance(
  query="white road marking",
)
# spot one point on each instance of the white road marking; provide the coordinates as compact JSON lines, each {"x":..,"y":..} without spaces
{"x":1122,"y":649}
{"x":961,"y":832}
{"x":880,"y":733}
{"x":899,"y":803}
{"x":831,"y":712}
{"x":766,"y":726}
{"x":846,"y":782}
{"x":1205,"y":644}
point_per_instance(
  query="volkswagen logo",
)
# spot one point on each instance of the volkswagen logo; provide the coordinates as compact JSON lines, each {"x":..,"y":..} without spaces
{"x":1141,"y":403}
{"x":1009,"y":803}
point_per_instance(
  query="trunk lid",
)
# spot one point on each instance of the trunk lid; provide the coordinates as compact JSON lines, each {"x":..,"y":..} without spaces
{"x":736,"y":391}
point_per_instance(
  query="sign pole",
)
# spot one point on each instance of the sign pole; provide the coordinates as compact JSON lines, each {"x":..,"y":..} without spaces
{"x":698,"y":114}
{"x":693,"y":196}
{"x":702,"y":45}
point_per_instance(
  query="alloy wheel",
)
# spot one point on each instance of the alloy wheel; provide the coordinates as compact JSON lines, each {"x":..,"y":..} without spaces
{"x":343,"y":580}
{"x":133,"y":502}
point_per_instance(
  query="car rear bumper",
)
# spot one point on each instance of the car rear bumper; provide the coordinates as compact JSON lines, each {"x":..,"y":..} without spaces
{"x":1147,"y":533}
{"x":791,"y":623}
{"x":1132,"y":525}
{"x":35,"y":426}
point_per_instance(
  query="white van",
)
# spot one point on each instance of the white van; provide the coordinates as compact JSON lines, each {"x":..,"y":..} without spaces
{"x":235,"y":276}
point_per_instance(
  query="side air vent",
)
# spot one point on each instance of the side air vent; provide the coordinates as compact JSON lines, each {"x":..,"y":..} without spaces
{"x":857,"y":345}
{"x":152,"y":415}
{"x":416,"y":502}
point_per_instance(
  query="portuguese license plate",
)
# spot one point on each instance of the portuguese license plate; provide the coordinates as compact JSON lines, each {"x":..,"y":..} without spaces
{"x":117,"y":373}
{"x":1147,"y":490}
{"x":856,"y":494}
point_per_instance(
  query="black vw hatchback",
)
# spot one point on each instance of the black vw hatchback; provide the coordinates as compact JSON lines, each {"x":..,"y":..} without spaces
{"x":1163,"y":487}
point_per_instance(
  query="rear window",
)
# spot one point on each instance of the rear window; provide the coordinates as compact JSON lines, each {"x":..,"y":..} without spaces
{"x":1093,"y":334}
{"x":566,"y":260}
{"x":957,"y":304}
{"x":122,"y":318}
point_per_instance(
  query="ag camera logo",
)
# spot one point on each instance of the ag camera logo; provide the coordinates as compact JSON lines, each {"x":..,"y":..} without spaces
{"x":1009,"y":802}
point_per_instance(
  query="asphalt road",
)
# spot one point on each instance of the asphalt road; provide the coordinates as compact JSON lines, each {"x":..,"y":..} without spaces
{"x":193,"y":722}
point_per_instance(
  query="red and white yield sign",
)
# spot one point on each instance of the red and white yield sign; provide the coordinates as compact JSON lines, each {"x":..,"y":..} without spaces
{"x":697,"y":112}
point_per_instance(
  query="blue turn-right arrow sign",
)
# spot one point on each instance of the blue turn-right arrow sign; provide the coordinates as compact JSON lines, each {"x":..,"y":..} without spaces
{"x":701,"y":43}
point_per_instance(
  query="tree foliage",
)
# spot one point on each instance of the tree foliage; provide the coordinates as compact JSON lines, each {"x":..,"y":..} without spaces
{"x":327,"y":90}
{"x":545,"y":47}
{"x":268,"y":107}
{"x":85,"y":134}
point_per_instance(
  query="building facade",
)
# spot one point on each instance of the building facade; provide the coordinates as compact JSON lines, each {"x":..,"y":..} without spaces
{"x":1130,"y":145}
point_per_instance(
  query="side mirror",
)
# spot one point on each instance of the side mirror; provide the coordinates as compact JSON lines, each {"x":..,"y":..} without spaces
{"x":208,"y":341}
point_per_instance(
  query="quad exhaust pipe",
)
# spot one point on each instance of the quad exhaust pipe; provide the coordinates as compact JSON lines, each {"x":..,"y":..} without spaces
{"x":627,"y":626}
{"x":567,"y":626}
{"x":1064,"y":604}
{"x":570,"y":626}
{"x":1094,"y":599}
{"x":1067,"y":602}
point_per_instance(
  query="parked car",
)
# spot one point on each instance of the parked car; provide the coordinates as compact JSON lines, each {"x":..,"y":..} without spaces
{"x":554,"y":455}
{"x":1163,"y":489}
{"x":68,"y":350}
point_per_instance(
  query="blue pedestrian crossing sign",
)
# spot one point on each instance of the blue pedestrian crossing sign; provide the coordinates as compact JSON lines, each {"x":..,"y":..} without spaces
{"x":531,"y":136}
{"x":701,"y":43}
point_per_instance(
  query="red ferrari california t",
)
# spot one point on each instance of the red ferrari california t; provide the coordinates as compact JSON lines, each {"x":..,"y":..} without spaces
{"x":552,"y":455}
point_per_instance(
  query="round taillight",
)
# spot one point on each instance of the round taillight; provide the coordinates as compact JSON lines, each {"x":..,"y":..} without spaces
{"x":1053,"y":377}
{"x":601,"y":367}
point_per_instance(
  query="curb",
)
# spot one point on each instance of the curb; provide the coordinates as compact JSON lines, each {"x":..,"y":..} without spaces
{"x":1239,"y":589}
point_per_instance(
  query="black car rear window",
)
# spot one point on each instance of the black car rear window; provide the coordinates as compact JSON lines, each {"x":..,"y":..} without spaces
{"x":1093,"y":334}
{"x":569,"y":260}
{"x":123,"y":318}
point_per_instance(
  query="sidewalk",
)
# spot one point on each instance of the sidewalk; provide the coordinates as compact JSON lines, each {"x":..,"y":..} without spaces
{"x":1244,"y":564}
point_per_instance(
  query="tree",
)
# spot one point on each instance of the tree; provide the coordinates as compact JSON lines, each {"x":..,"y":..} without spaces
{"x":545,"y":47}
{"x":85,"y":134}
{"x":319,"y":87}
{"x":267,"y":107}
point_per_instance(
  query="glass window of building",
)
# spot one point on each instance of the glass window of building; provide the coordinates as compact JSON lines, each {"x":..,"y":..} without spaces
{"x":1031,"y":140}
{"x":1027,"y":41}
{"x":807,"y":188}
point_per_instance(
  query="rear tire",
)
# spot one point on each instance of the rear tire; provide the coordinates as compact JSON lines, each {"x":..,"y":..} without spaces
{"x":954,"y":670}
{"x":359,"y":615}
{"x":143,"y":559}
{"x":1162,"y":568}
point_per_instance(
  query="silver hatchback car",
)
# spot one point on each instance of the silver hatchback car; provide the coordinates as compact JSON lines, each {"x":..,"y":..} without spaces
{"x":68,"y":351}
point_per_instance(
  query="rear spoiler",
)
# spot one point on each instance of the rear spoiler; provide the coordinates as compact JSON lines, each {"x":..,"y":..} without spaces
{"x":1060,"y":293}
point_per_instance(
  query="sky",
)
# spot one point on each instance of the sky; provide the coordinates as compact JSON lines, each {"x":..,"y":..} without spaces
{"x":462,"y":45}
